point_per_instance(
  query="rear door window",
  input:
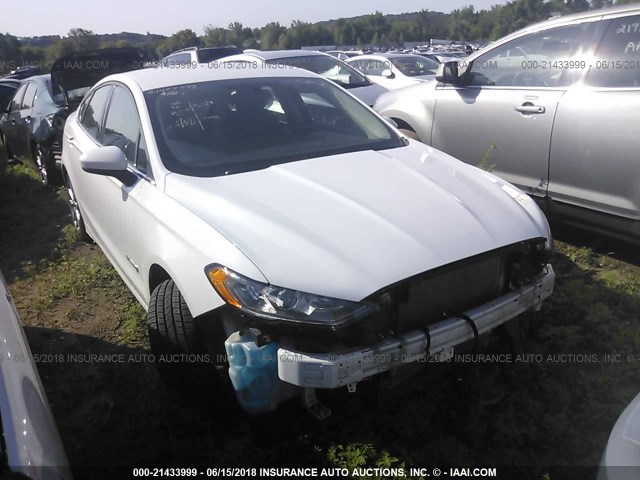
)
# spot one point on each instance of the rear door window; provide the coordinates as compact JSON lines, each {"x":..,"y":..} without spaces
{"x":16,"y":102}
{"x":29,"y":96}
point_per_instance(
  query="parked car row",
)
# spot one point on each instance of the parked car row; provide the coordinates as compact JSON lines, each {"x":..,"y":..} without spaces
{"x":323,"y":64}
{"x":33,"y":120}
{"x":35,"y":104}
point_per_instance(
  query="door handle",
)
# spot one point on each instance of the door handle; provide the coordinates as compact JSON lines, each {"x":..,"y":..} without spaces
{"x":27,"y":119}
{"x":530,"y":108}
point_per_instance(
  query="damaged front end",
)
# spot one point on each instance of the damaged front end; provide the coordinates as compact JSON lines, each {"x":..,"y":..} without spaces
{"x":274,"y":354}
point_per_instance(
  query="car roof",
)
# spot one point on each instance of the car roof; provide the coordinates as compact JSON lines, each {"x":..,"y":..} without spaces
{"x":275,"y":54}
{"x":18,"y":82}
{"x":153,"y":78}
{"x":38,"y":78}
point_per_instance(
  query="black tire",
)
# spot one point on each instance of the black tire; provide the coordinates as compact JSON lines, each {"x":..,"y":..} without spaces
{"x":76,"y":214}
{"x":172,"y":333}
{"x":49,"y":173}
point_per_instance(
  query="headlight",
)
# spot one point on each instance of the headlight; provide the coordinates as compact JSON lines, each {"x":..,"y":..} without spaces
{"x":277,"y":303}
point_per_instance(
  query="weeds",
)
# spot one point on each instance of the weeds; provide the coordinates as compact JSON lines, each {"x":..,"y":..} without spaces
{"x":364,"y":455}
{"x":484,"y":161}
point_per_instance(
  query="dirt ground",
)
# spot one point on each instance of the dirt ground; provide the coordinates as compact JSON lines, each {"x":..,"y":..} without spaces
{"x":113,"y":410}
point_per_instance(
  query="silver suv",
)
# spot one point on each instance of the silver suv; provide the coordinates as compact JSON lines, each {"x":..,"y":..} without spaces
{"x":553,"y":108}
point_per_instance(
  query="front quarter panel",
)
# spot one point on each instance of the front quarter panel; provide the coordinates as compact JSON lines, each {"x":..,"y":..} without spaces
{"x":183,"y":245}
{"x":413,"y":105}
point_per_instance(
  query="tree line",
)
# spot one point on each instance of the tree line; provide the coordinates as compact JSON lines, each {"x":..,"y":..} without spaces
{"x":466,"y":24}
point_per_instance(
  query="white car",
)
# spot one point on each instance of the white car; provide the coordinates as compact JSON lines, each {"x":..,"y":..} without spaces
{"x":344,"y":54}
{"x":31,"y":445}
{"x":321,"y":63}
{"x":395,"y":70}
{"x":621,"y":459}
{"x":265,"y":217}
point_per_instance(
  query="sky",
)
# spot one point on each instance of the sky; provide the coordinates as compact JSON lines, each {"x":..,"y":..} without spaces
{"x":56,"y":17}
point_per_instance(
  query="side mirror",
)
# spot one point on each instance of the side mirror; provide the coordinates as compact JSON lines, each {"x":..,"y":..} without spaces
{"x":109,"y":161}
{"x":387,"y":73}
{"x":448,"y":73}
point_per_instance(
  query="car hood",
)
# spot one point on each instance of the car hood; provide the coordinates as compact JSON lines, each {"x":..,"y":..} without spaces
{"x":368,"y":94}
{"x":348,"y":225}
{"x":85,"y":69}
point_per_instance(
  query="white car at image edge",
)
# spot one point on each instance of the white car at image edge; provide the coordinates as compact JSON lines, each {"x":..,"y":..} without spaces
{"x":621,"y":459}
{"x":266,"y":216}
{"x":31,"y":446}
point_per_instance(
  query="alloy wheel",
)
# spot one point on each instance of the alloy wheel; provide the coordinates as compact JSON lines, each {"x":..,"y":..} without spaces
{"x":74,"y":208}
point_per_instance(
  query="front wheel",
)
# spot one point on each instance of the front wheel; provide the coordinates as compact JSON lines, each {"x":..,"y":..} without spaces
{"x":180,"y":352}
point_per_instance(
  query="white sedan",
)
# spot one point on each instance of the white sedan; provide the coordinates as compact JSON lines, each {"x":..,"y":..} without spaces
{"x":395,"y":70}
{"x":275,"y":226}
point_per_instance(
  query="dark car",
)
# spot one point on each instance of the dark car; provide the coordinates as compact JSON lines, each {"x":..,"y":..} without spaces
{"x":32,"y":123}
{"x":27,"y":124}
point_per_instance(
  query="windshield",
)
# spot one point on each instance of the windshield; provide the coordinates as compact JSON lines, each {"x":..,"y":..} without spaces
{"x":415,"y":66}
{"x":230,"y":126}
{"x":329,"y":67}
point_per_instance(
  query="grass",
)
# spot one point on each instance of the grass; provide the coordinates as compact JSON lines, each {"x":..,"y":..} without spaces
{"x":535,"y":414}
{"x":53,"y":264}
